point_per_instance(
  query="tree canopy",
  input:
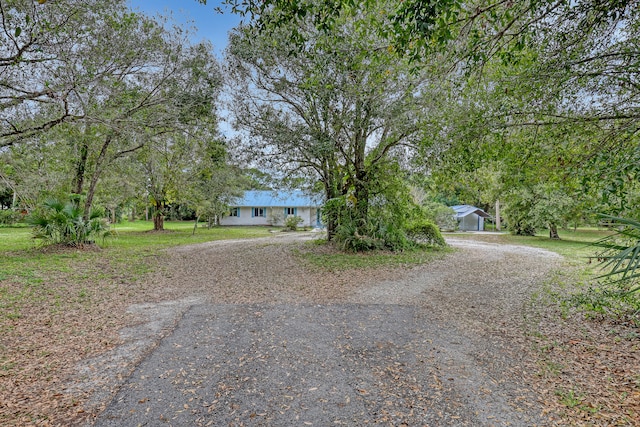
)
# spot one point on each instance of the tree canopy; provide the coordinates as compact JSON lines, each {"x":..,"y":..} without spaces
{"x":532,"y":103}
{"x":85,"y":85}
{"x":342,"y":111}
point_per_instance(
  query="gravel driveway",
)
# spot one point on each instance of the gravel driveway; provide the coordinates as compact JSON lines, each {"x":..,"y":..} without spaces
{"x":262,"y":340}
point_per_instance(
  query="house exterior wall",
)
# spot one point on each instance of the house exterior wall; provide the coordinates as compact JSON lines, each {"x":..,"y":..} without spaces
{"x":274,"y":216}
{"x":245,"y":218}
{"x":471,"y":222}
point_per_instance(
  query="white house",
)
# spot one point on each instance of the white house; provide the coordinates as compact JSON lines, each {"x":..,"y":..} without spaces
{"x":470,"y":218}
{"x":272,"y":207}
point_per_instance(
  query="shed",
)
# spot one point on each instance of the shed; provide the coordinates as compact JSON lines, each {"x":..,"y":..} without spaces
{"x":470,"y":218}
{"x":272,"y":207}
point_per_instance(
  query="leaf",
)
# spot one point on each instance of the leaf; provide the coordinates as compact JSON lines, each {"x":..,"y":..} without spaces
{"x":18,"y":31}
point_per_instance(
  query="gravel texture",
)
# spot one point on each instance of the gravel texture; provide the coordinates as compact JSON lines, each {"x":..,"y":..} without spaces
{"x":246,"y":334}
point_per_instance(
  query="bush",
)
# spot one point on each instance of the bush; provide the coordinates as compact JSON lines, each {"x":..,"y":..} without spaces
{"x":620,"y":254}
{"x":522,"y":228}
{"x":443,"y":216}
{"x":9,"y":217}
{"x":276,"y":218}
{"x":292,"y":223}
{"x":426,"y":233}
{"x":58,"y":222}
{"x":352,"y":241}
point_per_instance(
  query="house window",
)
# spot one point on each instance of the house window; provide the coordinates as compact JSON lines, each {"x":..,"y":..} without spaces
{"x":234,"y":212}
{"x":259,"y":212}
{"x":290,"y":211}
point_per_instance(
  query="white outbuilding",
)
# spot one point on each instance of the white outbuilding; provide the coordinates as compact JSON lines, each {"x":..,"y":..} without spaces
{"x":470,"y":218}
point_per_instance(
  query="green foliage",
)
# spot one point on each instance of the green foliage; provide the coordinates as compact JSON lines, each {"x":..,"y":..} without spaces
{"x":621,"y":254}
{"x":350,"y":239}
{"x":517,"y":212}
{"x":59,"y":222}
{"x":291,"y":223}
{"x":600,"y":302}
{"x":338,"y":113}
{"x":9,"y":217}
{"x":443,"y":216}
{"x":425,"y":232}
{"x":570,"y":398}
{"x":394,"y":223}
{"x":354,"y":234}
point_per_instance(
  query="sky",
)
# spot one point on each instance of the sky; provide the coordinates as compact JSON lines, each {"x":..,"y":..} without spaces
{"x":211,"y":24}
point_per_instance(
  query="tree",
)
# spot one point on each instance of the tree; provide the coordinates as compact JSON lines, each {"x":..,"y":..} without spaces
{"x":217,"y":185}
{"x":42,"y":54}
{"x":587,"y":49}
{"x":340,"y":111}
{"x":160,"y":84}
{"x":189,"y":169}
{"x":138,"y":82}
{"x":36,"y":170}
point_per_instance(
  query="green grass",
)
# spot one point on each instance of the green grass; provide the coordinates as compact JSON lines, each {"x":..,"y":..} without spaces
{"x":15,"y":238}
{"x":138,"y":234}
{"x":27,"y":270}
{"x":572,"y":244}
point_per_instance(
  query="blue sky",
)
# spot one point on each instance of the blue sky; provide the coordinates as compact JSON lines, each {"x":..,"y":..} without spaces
{"x":211,"y":25}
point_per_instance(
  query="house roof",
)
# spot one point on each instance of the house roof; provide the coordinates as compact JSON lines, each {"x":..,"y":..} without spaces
{"x":464,"y":210}
{"x":277,"y":198}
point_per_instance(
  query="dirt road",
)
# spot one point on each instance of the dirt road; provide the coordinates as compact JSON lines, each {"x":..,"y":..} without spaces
{"x":261,"y":340}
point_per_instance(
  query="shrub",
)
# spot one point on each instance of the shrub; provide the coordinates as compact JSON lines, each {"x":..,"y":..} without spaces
{"x":620,"y":254}
{"x":426,"y":233}
{"x":292,"y":223}
{"x":9,"y":217}
{"x":443,"y":216}
{"x":522,"y":228}
{"x":276,"y":218}
{"x":352,"y":241}
{"x":605,"y":301}
{"x":58,"y":222}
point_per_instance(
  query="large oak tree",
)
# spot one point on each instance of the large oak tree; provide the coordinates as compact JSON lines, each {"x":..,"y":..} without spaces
{"x":340,"y":111}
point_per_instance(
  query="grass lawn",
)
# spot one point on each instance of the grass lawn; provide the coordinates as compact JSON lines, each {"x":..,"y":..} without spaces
{"x":29,"y":267}
{"x":574,"y":245}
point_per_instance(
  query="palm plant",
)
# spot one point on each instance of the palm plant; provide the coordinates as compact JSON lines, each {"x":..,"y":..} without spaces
{"x":61,"y":222}
{"x":620,"y":253}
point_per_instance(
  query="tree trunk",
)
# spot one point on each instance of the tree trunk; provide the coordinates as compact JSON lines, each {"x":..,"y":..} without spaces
{"x":158,"y":218}
{"x":331,"y":190}
{"x":553,"y":232}
{"x":362,"y":202}
{"x":78,"y":179}
{"x":96,"y":176}
{"x":498,"y":224}
{"x":331,"y":229}
{"x":195,"y":225}
{"x":361,"y":184}
{"x":158,"y":221}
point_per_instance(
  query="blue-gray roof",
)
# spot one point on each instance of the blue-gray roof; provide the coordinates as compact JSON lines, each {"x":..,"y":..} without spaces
{"x":272,"y":198}
{"x":464,"y":210}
